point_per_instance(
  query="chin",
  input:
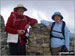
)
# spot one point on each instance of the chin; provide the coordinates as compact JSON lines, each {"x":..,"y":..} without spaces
{"x":57,"y":21}
{"x":20,"y":14}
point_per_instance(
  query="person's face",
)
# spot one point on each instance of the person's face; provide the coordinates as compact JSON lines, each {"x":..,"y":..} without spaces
{"x":20,"y":11}
{"x":57,"y":18}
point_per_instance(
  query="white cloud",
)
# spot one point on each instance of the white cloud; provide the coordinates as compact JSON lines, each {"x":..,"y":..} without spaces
{"x":42,"y":9}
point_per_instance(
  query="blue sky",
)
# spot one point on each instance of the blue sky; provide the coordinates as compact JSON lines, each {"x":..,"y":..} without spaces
{"x":42,"y":9}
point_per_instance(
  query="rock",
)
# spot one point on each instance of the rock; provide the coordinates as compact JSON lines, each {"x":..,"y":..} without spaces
{"x":3,"y":37}
{"x":72,"y":44}
{"x":39,"y":38}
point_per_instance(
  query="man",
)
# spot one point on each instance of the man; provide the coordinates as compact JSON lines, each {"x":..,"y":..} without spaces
{"x":17,"y":24}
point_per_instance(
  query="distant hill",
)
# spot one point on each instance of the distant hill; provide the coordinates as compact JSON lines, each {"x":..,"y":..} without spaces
{"x":72,"y":35}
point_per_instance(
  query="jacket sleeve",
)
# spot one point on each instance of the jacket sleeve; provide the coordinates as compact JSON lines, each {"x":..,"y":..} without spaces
{"x":46,"y":23}
{"x":8,"y":27}
{"x":67,"y":38}
{"x":31,"y":21}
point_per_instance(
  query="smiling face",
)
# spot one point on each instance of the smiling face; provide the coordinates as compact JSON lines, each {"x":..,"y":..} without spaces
{"x":57,"y":19}
{"x":20,"y":11}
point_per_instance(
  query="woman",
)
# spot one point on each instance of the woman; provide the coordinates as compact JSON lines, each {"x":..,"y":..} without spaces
{"x":17,"y":24}
{"x":58,"y":39}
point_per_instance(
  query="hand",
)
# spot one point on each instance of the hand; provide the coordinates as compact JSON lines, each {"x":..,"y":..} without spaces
{"x":26,"y":26}
{"x":20,"y":32}
{"x":48,"y":27}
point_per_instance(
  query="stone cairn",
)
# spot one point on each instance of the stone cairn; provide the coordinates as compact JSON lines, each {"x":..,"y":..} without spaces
{"x":39,"y":40}
{"x":3,"y":37}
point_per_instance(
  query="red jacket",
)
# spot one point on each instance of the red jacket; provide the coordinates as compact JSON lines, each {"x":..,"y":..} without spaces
{"x":13,"y":22}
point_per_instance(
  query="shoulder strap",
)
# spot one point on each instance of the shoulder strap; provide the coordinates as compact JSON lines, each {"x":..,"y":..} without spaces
{"x":63,"y":26}
{"x":52,"y":26}
{"x":25,"y":18}
{"x":15,"y":20}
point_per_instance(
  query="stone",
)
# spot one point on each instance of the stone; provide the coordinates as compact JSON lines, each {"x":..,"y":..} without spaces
{"x":40,"y":43}
{"x":3,"y":37}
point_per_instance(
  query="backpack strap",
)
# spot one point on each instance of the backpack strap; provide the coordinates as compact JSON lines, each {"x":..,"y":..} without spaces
{"x":52,"y":26}
{"x":14,"y":18}
{"x":63,"y":26}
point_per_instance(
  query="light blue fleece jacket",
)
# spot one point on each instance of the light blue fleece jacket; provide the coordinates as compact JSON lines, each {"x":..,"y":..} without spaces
{"x":56,"y":42}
